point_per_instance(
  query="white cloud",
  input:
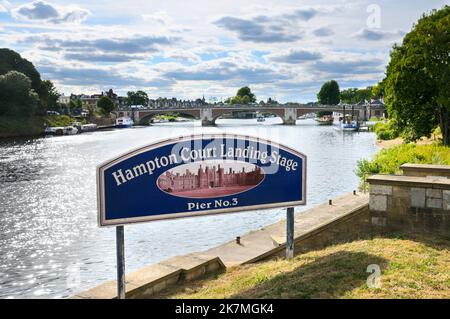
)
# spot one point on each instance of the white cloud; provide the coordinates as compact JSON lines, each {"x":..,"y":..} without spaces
{"x":4,"y":6}
{"x":43,"y":11}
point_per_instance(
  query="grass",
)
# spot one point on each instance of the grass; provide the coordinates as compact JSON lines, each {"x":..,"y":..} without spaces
{"x":59,"y":120}
{"x":411,"y":267}
{"x":388,"y":161}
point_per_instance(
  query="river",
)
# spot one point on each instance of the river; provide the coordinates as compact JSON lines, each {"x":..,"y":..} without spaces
{"x":50,"y":245}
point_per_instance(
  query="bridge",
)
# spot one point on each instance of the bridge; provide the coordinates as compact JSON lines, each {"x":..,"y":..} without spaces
{"x":289,"y":113}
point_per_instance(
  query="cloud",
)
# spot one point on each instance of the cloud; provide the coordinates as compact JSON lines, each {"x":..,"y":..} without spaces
{"x":377,"y":35}
{"x":108,"y":47}
{"x":349,"y":67}
{"x":323,"y":32}
{"x":108,"y":77}
{"x":44,"y":11}
{"x":268,"y":29}
{"x":4,"y":6}
{"x":296,"y":56}
{"x":94,"y":57}
{"x":225,"y":70}
{"x":256,"y":30}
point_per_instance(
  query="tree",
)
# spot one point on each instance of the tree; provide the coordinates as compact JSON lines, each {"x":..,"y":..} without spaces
{"x":329,"y":93}
{"x":106,"y":105}
{"x":12,"y":61}
{"x":49,"y":96}
{"x":137,"y":98}
{"x":17,"y":98}
{"x":355,"y":95}
{"x":75,"y":106}
{"x":243,"y":96}
{"x":417,"y":83}
{"x":378,"y":90}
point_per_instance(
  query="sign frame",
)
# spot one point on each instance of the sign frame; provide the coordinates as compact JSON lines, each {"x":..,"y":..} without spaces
{"x":102,"y":222}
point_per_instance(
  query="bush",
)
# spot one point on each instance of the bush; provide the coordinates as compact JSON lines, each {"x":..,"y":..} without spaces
{"x":12,"y":126}
{"x":388,"y":161}
{"x":386,"y":130}
{"x":59,"y":120}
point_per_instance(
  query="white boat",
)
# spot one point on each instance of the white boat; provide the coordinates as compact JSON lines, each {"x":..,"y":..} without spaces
{"x":124,"y":122}
{"x":59,"y":130}
{"x":88,"y":127}
{"x":349,"y":126}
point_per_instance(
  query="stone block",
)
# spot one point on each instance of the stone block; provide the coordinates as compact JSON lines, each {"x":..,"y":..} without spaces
{"x":446,"y":199}
{"x":380,"y":189}
{"x":378,"y":203}
{"x":418,"y":197}
{"x":434,"y":203}
{"x":401,"y":191}
{"x":434,"y":193}
{"x":379,"y":221}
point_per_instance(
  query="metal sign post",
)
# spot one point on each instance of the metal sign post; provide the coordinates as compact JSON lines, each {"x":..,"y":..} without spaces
{"x":120,"y":247}
{"x":290,"y":233}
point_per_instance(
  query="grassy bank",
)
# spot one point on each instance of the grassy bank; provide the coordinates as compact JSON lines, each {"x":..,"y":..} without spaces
{"x":389,"y":160}
{"x":17,"y":127}
{"x":59,"y":120}
{"x":411,"y":267}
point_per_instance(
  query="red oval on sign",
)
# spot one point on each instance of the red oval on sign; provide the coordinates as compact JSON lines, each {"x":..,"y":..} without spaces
{"x":212,"y":178}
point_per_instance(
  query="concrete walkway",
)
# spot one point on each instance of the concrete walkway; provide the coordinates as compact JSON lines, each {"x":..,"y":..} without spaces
{"x":261,"y":243}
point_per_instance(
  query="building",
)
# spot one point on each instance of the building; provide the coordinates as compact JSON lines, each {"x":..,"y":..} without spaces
{"x":210,"y":177}
{"x":64,"y":99}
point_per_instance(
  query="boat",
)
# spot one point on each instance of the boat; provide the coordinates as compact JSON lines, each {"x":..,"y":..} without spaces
{"x":59,"y":130}
{"x":325,"y":120}
{"x":124,"y":122}
{"x":260,"y":119}
{"x":88,"y":127}
{"x":349,"y":125}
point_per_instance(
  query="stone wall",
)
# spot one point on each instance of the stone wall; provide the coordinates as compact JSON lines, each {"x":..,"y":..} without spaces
{"x":423,"y":170}
{"x":411,"y":203}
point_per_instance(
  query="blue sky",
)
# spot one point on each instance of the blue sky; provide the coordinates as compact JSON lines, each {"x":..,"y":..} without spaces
{"x":186,"y":49}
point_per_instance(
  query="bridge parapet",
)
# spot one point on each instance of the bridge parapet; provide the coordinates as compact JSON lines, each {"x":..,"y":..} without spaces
{"x":287,"y":112}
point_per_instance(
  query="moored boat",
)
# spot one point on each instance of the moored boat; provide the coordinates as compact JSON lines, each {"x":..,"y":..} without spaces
{"x":325,"y":120}
{"x":349,"y":126}
{"x":124,"y":122}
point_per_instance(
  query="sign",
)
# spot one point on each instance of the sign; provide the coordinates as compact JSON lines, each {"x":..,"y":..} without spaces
{"x":199,"y":175}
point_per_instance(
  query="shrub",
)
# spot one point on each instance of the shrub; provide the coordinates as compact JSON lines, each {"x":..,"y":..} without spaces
{"x":388,"y":161}
{"x":59,"y":120}
{"x":386,"y":130}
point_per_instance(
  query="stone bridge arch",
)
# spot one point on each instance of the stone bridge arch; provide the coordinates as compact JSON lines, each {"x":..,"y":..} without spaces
{"x":144,"y":116}
{"x":210,"y":119}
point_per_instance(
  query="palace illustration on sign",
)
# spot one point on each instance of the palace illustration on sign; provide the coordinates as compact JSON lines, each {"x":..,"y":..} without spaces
{"x":210,"y":179}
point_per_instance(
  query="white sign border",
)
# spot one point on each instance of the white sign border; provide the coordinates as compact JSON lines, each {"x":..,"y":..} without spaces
{"x":102,"y":222}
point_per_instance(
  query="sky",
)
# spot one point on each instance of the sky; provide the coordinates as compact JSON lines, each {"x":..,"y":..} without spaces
{"x":188,"y":49}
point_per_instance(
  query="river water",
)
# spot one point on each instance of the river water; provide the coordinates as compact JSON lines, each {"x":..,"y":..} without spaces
{"x":50,"y":245}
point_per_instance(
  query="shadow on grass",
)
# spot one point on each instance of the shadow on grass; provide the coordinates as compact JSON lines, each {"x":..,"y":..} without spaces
{"x":330,"y":276}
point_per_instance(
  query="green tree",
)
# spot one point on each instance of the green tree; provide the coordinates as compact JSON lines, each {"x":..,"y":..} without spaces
{"x":50,"y":96}
{"x":355,"y":95}
{"x":378,"y":90}
{"x":137,"y":98}
{"x":12,"y":61}
{"x":243,"y":96}
{"x":75,"y":106}
{"x":417,"y":83}
{"x":17,"y":98}
{"x":106,"y":105}
{"x":329,"y":93}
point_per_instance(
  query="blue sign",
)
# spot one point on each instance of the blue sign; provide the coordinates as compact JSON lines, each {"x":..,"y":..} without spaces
{"x":199,"y":175}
